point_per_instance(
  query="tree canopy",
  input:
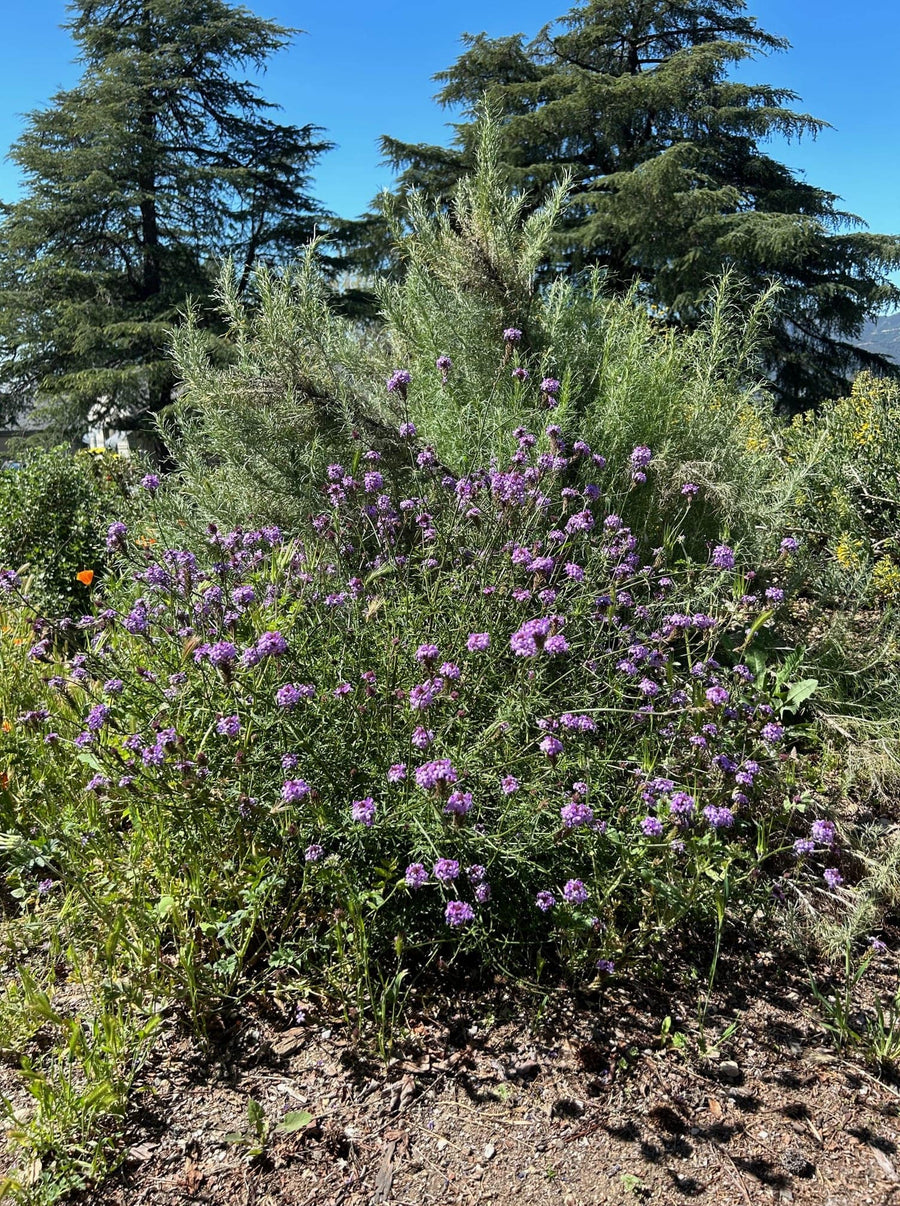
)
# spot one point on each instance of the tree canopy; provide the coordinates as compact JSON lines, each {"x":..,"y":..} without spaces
{"x":162,"y":160}
{"x":672,"y":184}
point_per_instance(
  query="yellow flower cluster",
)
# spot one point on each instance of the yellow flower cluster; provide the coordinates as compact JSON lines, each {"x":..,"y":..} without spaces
{"x":886,"y":579}
{"x":848,"y":552}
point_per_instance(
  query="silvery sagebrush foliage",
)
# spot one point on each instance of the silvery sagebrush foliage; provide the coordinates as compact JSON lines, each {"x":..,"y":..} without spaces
{"x":480,"y":338}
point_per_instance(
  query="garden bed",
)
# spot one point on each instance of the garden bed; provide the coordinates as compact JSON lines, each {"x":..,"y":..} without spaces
{"x":589,"y":1104}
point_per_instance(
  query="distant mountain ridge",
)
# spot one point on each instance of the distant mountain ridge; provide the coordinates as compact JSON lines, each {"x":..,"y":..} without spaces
{"x":882,"y":336}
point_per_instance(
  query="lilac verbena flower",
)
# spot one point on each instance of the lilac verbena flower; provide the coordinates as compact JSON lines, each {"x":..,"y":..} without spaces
{"x":790,"y":544}
{"x":640,"y":457}
{"x":446,"y":870}
{"x":723,"y":557}
{"x":398,"y":382}
{"x":294,"y":790}
{"x":576,"y":814}
{"x":718,"y":696}
{"x":416,"y":876}
{"x":545,"y":901}
{"x":423,"y":695}
{"x":115,"y":536}
{"x":458,"y":803}
{"x":407,"y":431}
{"x":97,"y":717}
{"x":651,"y":827}
{"x":427,"y":654}
{"x":478,"y":642}
{"x":536,"y":636}
{"x":575,"y":892}
{"x":445,"y":364}
{"x":138,"y":621}
{"x":606,"y":965}
{"x":397,"y":772}
{"x":439,"y":773}
{"x":458,"y":912}
{"x":150,"y":482}
{"x":98,"y":783}
{"x":822,"y":832}
{"x":229,"y":726}
{"x":9,"y":581}
{"x":289,"y":762}
{"x":681,"y":806}
{"x":373,"y":482}
{"x":551,"y":746}
{"x":520,"y":374}
{"x":772,"y":732}
{"x":550,"y":386}
{"x":512,"y":335}
{"x":579,"y":722}
{"x":509,"y":784}
{"x":271,"y":644}
{"x":288,"y":696}
{"x":243,"y":596}
{"x":223,"y":653}
{"x":581,"y":521}
{"x":421,"y":737}
{"x":364,"y":811}
{"x":689,"y":489}
{"x":804,"y":846}
{"x":832,"y":877}
{"x":718,"y":817}
{"x":113,"y":686}
{"x":314,"y":853}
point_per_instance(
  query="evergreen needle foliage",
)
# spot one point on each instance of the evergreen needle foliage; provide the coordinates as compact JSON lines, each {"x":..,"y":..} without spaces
{"x":671,"y":180}
{"x":160,"y":161}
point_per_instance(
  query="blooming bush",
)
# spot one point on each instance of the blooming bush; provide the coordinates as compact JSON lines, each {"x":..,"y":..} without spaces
{"x":469,"y":713}
{"x":851,"y":492}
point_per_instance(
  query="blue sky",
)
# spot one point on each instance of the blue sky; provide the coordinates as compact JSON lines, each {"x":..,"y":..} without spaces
{"x":363,"y":69}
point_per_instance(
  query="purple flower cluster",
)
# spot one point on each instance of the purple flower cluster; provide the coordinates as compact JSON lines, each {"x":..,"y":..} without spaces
{"x":437,"y":774}
{"x":539,"y":636}
{"x":363,"y":811}
{"x":398,"y":382}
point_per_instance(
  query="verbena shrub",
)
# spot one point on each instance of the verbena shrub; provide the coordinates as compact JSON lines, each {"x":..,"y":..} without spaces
{"x":472,"y":714}
{"x":54,"y":512}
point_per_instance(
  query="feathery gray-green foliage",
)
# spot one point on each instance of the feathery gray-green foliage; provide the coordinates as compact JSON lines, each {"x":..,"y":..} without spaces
{"x":306,"y":384}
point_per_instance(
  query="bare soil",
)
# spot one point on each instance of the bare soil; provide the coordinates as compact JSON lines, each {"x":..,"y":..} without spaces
{"x":495,"y":1097}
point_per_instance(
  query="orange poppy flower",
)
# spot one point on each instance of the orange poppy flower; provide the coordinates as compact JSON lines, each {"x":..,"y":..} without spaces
{"x":85,"y":576}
